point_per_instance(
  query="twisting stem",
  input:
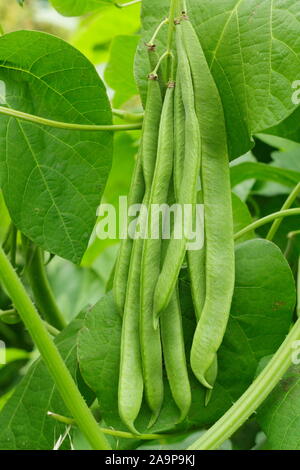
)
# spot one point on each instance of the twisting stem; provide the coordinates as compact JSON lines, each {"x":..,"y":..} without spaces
{"x":288,"y":203}
{"x":53,"y":360}
{"x":151,"y":43}
{"x":162,"y":57}
{"x":265,"y":220}
{"x":66,"y":125}
{"x":250,"y":401}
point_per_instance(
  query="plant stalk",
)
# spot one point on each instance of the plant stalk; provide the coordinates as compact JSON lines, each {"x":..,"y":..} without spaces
{"x":288,"y":203}
{"x":266,"y":220}
{"x":53,"y":360}
{"x":66,"y":125}
{"x":250,"y":401}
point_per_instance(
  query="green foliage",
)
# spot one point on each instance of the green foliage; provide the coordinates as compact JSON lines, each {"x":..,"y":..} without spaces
{"x":53,"y":200}
{"x":24,"y":421}
{"x":244,"y":43}
{"x":52,"y":181}
{"x":279,"y":416}
{"x":119,"y":70}
{"x":260,"y":318}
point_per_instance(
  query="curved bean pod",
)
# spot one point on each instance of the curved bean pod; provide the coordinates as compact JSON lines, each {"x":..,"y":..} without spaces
{"x":220,"y":266}
{"x":150,"y":338}
{"x":147,"y":154}
{"x":174,"y":355}
{"x":123,"y":260}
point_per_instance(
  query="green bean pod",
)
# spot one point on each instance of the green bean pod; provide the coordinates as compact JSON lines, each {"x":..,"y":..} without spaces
{"x":174,"y":355}
{"x":197,"y":273}
{"x":131,"y":384}
{"x":136,"y":193}
{"x":179,"y":136}
{"x":188,"y":189}
{"x":220,"y":266}
{"x":158,"y":180}
{"x":147,"y":153}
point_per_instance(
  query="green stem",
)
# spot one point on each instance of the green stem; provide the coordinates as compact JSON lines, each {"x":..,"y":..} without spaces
{"x":65,"y":125}
{"x":129,"y":117}
{"x":41,"y":289}
{"x":288,"y":203}
{"x":172,"y":14}
{"x":171,"y":29}
{"x":13,"y":245}
{"x":53,"y":360}
{"x":151,"y":43}
{"x":265,"y":220}
{"x":250,"y":401}
{"x":111,"y":432}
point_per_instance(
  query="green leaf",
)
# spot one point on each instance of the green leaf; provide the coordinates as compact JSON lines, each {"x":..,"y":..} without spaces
{"x":262,"y":308}
{"x":52,"y":179}
{"x":253,"y":52}
{"x":119,"y":71}
{"x":279,"y":416}
{"x":118,"y":184}
{"x":24,"y":421}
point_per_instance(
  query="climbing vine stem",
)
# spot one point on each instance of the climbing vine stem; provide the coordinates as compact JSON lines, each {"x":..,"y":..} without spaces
{"x":250,"y":401}
{"x":53,"y":360}
{"x":265,"y":220}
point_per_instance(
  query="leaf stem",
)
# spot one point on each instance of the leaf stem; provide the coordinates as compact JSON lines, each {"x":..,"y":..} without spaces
{"x":254,"y":396}
{"x":53,"y":360}
{"x":66,"y":125}
{"x":265,"y":220}
{"x":111,"y":432}
{"x":151,"y":43}
{"x":288,"y":203}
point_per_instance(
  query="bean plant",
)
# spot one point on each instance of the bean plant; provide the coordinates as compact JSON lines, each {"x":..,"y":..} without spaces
{"x":141,"y":342}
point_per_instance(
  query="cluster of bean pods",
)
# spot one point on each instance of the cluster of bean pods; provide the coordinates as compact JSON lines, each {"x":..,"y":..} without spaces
{"x":183,"y":141}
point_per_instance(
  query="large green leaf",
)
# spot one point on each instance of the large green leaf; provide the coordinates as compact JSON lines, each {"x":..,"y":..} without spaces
{"x":24,"y":424}
{"x":280,"y":414}
{"x":253,"y":51}
{"x":52,"y":179}
{"x":261,"y":313}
